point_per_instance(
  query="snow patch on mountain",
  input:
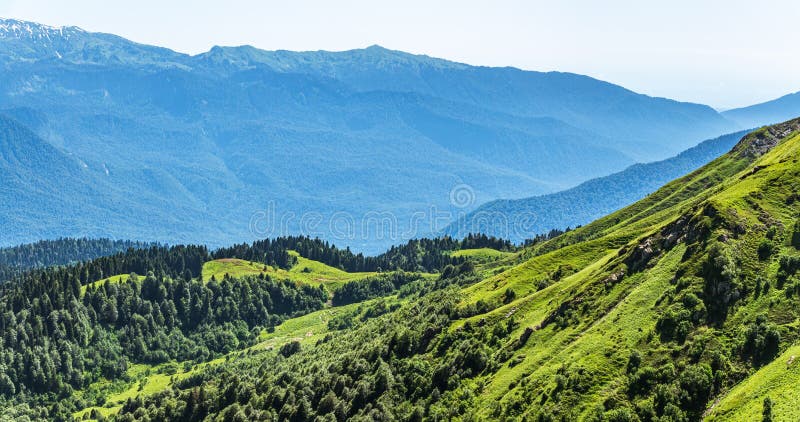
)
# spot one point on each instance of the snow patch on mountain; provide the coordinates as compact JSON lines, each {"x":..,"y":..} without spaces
{"x":35,"y":31}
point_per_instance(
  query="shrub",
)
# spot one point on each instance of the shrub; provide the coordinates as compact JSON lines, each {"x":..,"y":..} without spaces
{"x":696,"y":382}
{"x":766,"y":414}
{"x":765,"y":249}
{"x":290,"y":348}
{"x":796,"y":234}
{"x":634,"y":360}
{"x":642,"y":380}
{"x":789,"y":264}
{"x":620,"y":415}
{"x":721,"y":290}
{"x":772,"y":231}
{"x":509,"y":296}
{"x":761,"y":342}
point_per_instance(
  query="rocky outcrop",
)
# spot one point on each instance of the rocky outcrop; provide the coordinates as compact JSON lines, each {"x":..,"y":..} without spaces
{"x":763,"y":140}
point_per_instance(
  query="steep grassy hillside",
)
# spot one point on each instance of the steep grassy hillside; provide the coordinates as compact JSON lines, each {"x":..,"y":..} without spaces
{"x":682,"y":306}
{"x":661,"y":303}
{"x":658,"y":301}
{"x":777,"y":381}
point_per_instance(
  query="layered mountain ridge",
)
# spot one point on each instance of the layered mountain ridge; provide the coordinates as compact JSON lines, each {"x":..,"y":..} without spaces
{"x":681,"y":306}
{"x":220,"y":137}
{"x":523,"y":219}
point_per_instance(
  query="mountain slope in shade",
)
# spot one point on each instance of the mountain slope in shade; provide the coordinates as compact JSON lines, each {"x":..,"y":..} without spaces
{"x":769,"y":112}
{"x":522,"y":219}
{"x":34,"y":172}
{"x":46,"y":191}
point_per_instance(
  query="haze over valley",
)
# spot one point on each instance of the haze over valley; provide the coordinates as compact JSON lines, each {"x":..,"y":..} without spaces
{"x":368,"y":234}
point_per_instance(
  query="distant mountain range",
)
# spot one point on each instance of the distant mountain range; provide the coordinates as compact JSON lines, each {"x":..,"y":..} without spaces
{"x":238,"y":143}
{"x":774,"y":111}
{"x":522,"y":219}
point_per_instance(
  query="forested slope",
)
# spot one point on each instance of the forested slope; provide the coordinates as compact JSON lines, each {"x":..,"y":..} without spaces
{"x":652,"y":313}
{"x":682,"y":306}
{"x":47,"y":253}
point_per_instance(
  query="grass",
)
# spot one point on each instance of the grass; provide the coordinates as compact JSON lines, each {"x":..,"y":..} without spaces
{"x":524,"y":278}
{"x":622,"y":314}
{"x":306,"y":271}
{"x":483,"y":254}
{"x":235,"y":268}
{"x":315,"y":273}
{"x":779,"y":380}
{"x":602,"y":346}
{"x":146,"y":380}
{"x":119,"y":278}
{"x":307,"y":328}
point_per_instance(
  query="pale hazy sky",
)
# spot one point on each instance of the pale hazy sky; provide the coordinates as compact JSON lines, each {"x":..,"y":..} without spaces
{"x":722,"y":53}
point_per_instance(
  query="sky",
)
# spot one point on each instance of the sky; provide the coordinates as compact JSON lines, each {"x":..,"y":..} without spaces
{"x":722,"y":53}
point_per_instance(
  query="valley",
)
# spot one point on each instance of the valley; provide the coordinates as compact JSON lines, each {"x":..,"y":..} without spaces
{"x":399,"y":212}
{"x":680,"y":306}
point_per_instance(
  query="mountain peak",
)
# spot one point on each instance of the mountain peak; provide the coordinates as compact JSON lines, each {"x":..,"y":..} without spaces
{"x":13,"y":28}
{"x":376,"y":47}
{"x":23,"y":41}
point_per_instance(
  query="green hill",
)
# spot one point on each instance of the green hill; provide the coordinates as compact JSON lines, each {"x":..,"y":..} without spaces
{"x":305,"y":271}
{"x":680,"y":307}
{"x":674,"y":308}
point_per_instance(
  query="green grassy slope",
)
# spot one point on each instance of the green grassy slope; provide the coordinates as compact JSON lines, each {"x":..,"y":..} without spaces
{"x":145,"y":380}
{"x":482,"y":254}
{"x":608,"y":307}
{"x":779,"y":381}
{"x":682,"y":306}
{"x":306,"y":271}
{"x":605,"y":307}
{"x":119,"y":278}
{"x":233,"y":267}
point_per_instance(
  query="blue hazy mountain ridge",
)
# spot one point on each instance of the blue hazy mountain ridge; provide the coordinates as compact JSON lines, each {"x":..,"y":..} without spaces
{"x":521,"y":219}
{"x":637,"y":124}
{"x":45,"y":190}
{"x":173,"y":147}
{"x":775,"y":111}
